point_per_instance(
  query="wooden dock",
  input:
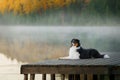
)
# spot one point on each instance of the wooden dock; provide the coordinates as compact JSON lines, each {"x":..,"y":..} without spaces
{"x":82,"y":69}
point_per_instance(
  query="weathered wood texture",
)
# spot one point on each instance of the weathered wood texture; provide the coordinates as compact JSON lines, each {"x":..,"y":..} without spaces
{"x":89,"y":76}
{"x":25,"y":76}
{"x":87,"y":69}
{"x":32,"y":76}
{"x":65,"y":70}
{"x":82,"y":77}
{"x":62,"y":76}
{"x":52,"y":76}
{"x":43,"y":76}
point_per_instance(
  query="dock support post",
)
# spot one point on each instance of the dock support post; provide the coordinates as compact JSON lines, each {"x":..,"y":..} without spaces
{"x":82,"y":77}
{"x":71,"y":77}
{"x":62,"y":76}
{"x":43,"y":76}
{"x":52,"y":76}
{"x":89,"y":76}
{"x":25,"y":76}
{"x":32,"y":76}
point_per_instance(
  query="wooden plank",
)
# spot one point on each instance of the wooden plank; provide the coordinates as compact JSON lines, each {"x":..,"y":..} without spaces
{"x":25,"y":76}
{"x":64,"y":70}
{"x":89,"y":76}
{"x":82,"y":77}
{"x":62,"y":76}
{"x":32,"y":76}
{"x":52,"y":76}
{"x":43,"y":76}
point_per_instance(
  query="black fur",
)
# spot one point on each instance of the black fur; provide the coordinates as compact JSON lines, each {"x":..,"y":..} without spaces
{"x":89,"y":53}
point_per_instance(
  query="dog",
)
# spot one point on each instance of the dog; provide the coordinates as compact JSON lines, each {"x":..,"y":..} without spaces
{"x":87,"y":53}
{"x":77,"y":52}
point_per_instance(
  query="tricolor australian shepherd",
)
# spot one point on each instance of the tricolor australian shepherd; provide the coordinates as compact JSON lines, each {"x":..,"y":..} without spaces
{"x":77,"y":52}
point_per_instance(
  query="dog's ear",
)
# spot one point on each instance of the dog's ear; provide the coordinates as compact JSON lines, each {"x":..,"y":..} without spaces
{"x":78,"y":41}
{"x":72,"y":40}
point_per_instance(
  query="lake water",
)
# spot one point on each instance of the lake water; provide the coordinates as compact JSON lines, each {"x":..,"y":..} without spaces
{"x":20,"y":45}
{"x":9,"y":69}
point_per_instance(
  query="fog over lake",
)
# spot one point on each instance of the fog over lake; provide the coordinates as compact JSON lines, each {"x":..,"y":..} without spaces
{"x":24,"y":44}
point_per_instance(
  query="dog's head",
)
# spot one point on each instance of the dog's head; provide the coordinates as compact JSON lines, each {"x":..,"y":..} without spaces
{"x":75,"y":42}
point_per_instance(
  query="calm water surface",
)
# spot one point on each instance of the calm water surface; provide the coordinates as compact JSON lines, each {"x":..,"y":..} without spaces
{"x":10,"y":69}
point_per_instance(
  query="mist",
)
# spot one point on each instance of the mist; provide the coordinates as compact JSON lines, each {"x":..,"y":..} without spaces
{"x":52,"y":42}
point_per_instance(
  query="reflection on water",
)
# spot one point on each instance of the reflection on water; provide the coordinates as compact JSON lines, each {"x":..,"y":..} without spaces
{"x":7,"y":61}
{"x":9,"y":69}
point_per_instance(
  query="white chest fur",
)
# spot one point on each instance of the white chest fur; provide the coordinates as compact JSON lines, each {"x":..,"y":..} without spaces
{"x":73,"y":54}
